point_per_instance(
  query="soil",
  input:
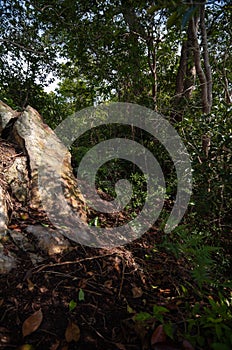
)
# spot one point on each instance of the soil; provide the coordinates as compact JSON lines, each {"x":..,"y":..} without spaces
{"x":100,"y":291}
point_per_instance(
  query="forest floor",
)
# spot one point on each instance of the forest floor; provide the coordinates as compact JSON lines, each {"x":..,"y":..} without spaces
{"x":97,"y":299}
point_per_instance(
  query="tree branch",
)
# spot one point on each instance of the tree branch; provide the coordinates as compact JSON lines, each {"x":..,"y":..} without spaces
{"x":22,"y":47}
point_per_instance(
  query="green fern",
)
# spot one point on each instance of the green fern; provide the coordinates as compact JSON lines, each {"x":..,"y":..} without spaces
{"x":193,"y":246}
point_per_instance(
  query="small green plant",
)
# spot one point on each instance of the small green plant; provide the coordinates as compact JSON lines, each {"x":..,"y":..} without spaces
{"x":94,"y":222}
{"x":157,"y":313}
{"x":193,"y":246}
{"x":212,"y":323}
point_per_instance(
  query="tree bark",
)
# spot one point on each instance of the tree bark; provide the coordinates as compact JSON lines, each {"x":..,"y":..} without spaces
{"x":207,"y":66}
{"x":191,"y":66}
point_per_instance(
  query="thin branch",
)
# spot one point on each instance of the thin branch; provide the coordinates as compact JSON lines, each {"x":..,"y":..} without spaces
{"x":22,"y":47}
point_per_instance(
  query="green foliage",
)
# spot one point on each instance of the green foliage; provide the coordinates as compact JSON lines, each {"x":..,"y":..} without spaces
{"x":27,"y":55}
{"x":81,"y":295}
{"x":213,"y":321}
{"x":72,"y":305}
{"x":212,"y":175}
{"x":158,"y":314}
{"x":192,"y":245}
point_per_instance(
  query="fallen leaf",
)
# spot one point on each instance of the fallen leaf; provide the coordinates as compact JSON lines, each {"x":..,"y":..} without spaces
{"x":72,"y":305}
{"x":43,"y":289}
{"x":163,"y":346}
{"x":137,"y":292}
{"x":158,"y":335}
{"x":117,"y":262}
{"x":4,"y":337}
{"x":55,"y":345}
{"x":24,"y":216}
{"x":26,"y":347}
{"x":187,"y":345}
{"x":130,"y":310}
{"x":32,"y":323}
{"x":72,"y":332}
{"x":120,"y":346}
{"x":108,"y":284}
{"x":81,"y":295}
{"x":30,"y":285}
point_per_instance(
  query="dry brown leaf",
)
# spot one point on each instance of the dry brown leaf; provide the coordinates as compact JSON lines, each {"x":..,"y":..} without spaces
{"x":26,"y":347}
{"x":163,"y":346}
{"x":55,"y":345}
{"x":65,"y":347}
{"x":108,"y":284}
{"x":32,"y":323}
{"x":117,"y":262}
{"x":187,"y":345}
{"x":120,"y":346}
{"x":137,"y":292}
{"x":30,"y":285}
{"x":158,"y":335}
{"x":72,"y":332}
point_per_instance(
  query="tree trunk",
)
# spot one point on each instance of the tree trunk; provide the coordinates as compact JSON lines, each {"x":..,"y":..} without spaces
{"x":193,"y":64}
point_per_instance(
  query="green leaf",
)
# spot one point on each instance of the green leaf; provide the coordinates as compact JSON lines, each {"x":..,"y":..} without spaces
{"x":129,"y":309}
{"x":142,"y":316}
{"x":81,"y":295}
{"x":172,"y":20}
{"x":154,"y":8}
{"x":220,"y":346}
{"x":44,"y":225}
{"x":72,"y":305}
{"x":159,"y":309}
{"x":168,"y":329}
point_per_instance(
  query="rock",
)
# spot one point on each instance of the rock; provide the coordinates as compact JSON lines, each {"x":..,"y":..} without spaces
{"x":6,"y":114}
{"x":27,"y":134}
{"x":7,"y":262}
{"x":17,"y":178}
{"x":3,"y":211}
{"x":49,"y":241}
{"x":21,"y":241}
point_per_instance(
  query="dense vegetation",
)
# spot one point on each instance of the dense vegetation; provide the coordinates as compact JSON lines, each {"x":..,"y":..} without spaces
{"x":171,"y":56}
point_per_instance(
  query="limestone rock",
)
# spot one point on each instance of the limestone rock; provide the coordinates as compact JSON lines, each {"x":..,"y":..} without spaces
{"x":3,"y":212}
{"x":49,"y":241}
{"x":7,"y":262}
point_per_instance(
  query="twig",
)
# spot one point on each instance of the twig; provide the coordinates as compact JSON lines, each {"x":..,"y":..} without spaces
{"x":40,"y":268}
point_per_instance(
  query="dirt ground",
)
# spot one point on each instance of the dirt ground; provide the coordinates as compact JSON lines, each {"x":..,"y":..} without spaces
{"x":91,"y":298}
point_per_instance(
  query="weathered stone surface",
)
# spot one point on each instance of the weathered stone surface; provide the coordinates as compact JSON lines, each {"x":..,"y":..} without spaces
{"x":14,"y":181}
{"x":21,"y":241}
{"x":49,"y":241}
{"x":24,"y":151}
{"x":17,"y":178}
{"x":34,"y":133}
{"x":6,"y":114}
{"x":3,"y":212}
{"x":7,"y":262}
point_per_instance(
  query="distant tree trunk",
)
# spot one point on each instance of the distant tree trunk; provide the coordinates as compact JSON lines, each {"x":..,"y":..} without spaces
{"x":193,"y":64}
{"x":153,"y":70}
{"x":208,"y":73}
{"x":203,"y":75}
